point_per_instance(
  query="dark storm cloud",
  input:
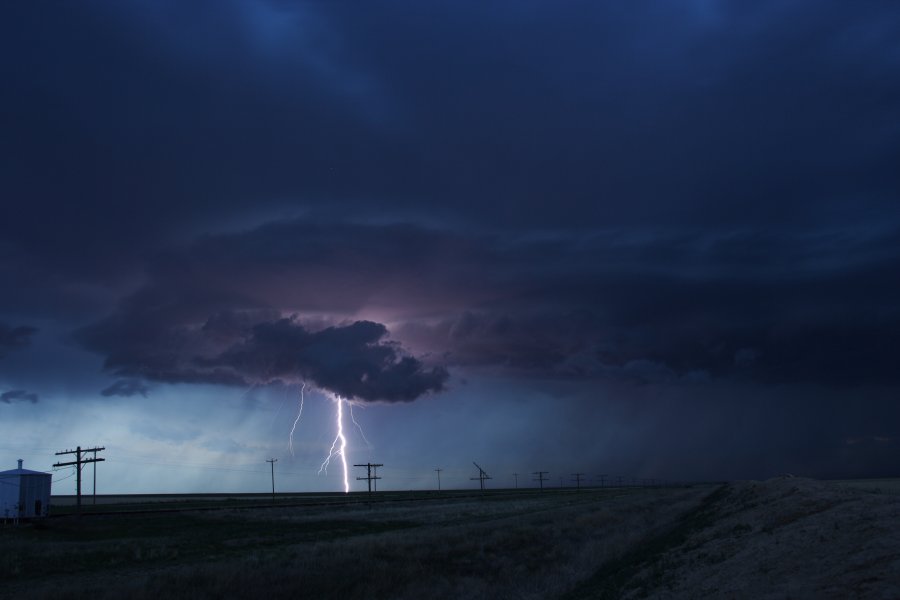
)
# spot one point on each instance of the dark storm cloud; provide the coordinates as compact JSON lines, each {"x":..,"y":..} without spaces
{"x":127,"y":388}
{"x":764,"y":307}
{"x":145,"y":123}
{"x":13,"y":338}
{"x":18,"y":396}
{"x":353,"y":361}
{"x":685,"y":307}
{"x":644,"y":195}
{"x":518,"y":116}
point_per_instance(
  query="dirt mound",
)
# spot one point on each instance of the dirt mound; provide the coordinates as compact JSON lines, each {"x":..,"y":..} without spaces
{"x":783,"y":538}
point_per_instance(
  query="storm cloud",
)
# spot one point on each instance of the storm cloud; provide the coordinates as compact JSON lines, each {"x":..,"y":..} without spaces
{"x":126,"y":388}
{"x":18,"y":396}
{"x":636,"y":203}
{"x":681,"y":306}
{"x":354,"y":361}
{"x":13,"y":338}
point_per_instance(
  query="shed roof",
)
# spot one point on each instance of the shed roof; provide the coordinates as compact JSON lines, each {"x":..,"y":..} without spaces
{"x":12,"y":472}
{"x":20,"y":471}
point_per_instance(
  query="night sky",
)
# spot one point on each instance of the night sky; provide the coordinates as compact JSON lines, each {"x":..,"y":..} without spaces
{"x":650,"y":238}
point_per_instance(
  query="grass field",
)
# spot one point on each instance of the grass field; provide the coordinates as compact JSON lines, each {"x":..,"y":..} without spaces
{"x":503,"y":545}
{"x":67,"y":505}
{"x":880,"y":486}
{"x":781,"y":538}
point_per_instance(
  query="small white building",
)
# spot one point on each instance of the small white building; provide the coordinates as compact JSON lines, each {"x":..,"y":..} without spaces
{"x":24,"y":494}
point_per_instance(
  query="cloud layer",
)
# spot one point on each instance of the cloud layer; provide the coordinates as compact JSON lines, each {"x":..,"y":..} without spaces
{"x":13,"y":338}
{"x":353,"y":361}
{"x":680,"y":307}
{"x":18,"y":396}
{"x":668,"y":200}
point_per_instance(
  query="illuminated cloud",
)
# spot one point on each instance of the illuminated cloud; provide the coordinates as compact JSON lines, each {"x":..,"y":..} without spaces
{"x":354,"y":361}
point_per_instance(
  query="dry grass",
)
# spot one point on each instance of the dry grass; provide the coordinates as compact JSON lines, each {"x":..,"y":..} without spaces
{"x":784,"y":538}
{"x":776,"y":539}
{"x":533,"y":547}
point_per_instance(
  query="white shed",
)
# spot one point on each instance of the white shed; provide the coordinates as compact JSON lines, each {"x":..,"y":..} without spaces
{"x":24,"y":494}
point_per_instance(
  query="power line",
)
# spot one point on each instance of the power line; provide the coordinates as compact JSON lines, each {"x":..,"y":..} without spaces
{"x":79,"y":462}
{"x":540,"y":478}
{"x":439,"y":478}
{"x":577,"y":477}
{"x":69,"y":476}
{"x":482,"y":475}
{"x":369,"y":478}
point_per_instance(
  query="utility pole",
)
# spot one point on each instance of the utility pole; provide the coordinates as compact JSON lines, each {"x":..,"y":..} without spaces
{"x":578,"y":477}
{"x":78,"y":462}
{"x":602,"y":480}
{"x":482,"y":475}
{"x":516,"y":475}
{"x":541,"y":478}
{"x":369,"y":476}
{"x":272,"y":462}
{"x":94,"y":466}
{"x":439,"y":478}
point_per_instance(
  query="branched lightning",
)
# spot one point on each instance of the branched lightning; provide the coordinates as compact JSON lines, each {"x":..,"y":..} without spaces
{"x":297,"y":420}
{"x":335,"y":450}
{"x":361,"y":432}
{"x":339,"y":445}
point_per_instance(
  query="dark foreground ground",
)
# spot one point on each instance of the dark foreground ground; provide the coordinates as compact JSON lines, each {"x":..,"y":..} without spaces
{"x":784,"y":538}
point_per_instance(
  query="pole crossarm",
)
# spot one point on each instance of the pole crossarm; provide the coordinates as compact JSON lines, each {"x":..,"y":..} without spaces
{"x":369,"y":478}
{"x":79,"y":463}
{"x":482,"y":475}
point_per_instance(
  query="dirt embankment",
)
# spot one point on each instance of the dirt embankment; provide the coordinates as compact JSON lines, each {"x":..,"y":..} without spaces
{"x":782,"y":538}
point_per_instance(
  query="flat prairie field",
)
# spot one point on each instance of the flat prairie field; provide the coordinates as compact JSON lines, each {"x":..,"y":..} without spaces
{"x":785,"y":537}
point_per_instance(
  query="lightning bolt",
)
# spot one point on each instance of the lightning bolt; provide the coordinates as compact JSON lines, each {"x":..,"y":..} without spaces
{"x":297,"y":420}
{"x":361,"y":432}
{"x":335,"y":450}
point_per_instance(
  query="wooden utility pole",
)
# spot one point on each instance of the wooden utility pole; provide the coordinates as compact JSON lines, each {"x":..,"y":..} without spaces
{"x":272,"y":462}
{"x":78,"y":462}
{"x":540,"y":477}
{"x":577,"y":477}
{"x":369,"y":476}
{"x":482,"y":475}
{"x":94,"y":466}
{"x":438,"y":471}
{"x":516,"y":475}
{"x":602,"y":480}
